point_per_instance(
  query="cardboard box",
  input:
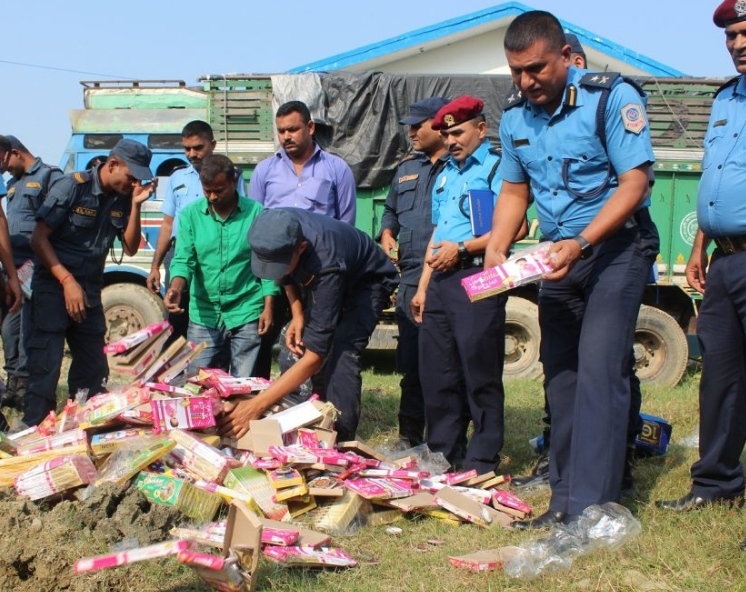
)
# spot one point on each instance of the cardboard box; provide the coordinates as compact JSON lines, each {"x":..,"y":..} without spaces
{"x":243,"y":534}
{"x":470,"y":510}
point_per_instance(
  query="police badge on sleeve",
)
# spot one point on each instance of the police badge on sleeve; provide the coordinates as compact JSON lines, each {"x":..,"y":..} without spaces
{"x":633,"y":116}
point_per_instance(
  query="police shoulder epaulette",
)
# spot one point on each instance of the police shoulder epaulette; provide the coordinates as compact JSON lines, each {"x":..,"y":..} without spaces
{"x":514,"y":98}
{"x":82,"y":176}
{"x":600,"y":79}
{"x":409,"y":156}
{"x":495,"y":151}
{"x":181,"y":167}
{"x":731,"y":82}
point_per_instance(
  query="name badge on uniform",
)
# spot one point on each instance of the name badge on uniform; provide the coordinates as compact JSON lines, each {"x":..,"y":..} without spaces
{"x":406,"y":178}
{"x":521,"y":142}
{"x":633,"y":117}
{"x":720,"y":123}
{"x":116,"y":213}
{"x":84,"y":211}
{"x":33,"y":185}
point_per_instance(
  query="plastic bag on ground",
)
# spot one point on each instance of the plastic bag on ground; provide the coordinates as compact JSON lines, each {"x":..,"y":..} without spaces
{"x":607,"y":526}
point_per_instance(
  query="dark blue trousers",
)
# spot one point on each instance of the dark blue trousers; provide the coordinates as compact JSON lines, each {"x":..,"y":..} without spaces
{"x":462,"y":347}
{"x":341,"y":371}
{"x":721,"y":328}
{"x":587,"y":324}
{"x":51,"y":327}
{"x":411,"y":404}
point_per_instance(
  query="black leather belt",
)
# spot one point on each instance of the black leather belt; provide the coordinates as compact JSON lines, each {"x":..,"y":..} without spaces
{"x":470,"y":263}
{"x":731,"y":244}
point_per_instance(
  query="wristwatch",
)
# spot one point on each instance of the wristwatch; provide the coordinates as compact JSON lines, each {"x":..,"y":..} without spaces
{"x":463,"y":254}
{"x":586,"y":248}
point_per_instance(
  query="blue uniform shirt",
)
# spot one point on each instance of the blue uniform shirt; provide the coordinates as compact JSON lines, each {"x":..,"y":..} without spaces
{"x":3,"y":189}
{"x":408,"y":212}
{"x":85,"y":223}
{"x":25,"y":196}
{"x":721,"y":207}
{"x":184,"y":187}
{"x":339,"y":260}
{"x":571,"y":175}
{"x":451,"y":190}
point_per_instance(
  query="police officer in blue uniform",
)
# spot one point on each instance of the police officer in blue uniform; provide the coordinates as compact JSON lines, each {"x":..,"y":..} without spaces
{"x":461,"y":343}
{"x":76,"y":226}
{"x":407,"y":218}
{"x":590,"y":188}
{"x":721,"y":215}
{"x":28,"y":186}
{"x":338,"y":281}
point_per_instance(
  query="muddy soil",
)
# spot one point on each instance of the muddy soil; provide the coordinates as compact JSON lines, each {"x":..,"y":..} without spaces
{"x":40,"y":542}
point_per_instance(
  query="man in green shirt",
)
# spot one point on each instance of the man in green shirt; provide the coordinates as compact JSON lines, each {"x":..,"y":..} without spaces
{"x":229,"y":307}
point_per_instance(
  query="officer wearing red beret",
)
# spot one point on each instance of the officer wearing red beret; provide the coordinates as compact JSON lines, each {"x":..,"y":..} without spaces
{"x":718,"y":474}
{"x":462,"y":344}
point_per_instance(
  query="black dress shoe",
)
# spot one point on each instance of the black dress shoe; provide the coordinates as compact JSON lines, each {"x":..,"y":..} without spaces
{"x":694,"y":502}
{"x":528,"y":482}
{"x":546,"y":520}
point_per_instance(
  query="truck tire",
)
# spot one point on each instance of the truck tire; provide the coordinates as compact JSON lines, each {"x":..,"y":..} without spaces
{"x":522,"y":337}
{"x":661,"y":351}
{"x":129,"y":307}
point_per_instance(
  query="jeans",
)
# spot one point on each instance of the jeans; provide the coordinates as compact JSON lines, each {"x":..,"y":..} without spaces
{"x":229,"y":349}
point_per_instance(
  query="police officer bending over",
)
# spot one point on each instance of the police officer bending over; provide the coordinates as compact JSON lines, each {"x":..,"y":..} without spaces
{"x":338,"y":282}
{"x":591,"y":201}
{"x":76,"y":226}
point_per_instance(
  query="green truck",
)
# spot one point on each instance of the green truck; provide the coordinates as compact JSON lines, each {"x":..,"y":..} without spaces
{"x":357,"y":117}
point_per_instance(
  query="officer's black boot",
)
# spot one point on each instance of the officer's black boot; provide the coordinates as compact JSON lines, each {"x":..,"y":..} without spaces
{"x":540,"y":473}
{"x":21,"y":386}
{"x":8,"y":398}
{"x":628,"y":483}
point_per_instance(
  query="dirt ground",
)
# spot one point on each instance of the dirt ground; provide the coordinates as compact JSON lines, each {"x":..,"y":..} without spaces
{"x":40,"y":542}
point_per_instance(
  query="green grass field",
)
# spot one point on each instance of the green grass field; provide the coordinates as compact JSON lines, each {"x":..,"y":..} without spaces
{"x":696,"y":551}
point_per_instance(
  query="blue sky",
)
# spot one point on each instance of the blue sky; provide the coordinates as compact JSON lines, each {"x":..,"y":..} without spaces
{"x":160,"y":39}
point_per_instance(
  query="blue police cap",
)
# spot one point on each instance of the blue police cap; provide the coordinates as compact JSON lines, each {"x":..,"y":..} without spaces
{"x":136,"y":156}
{"x":273,"y":237}
{"x":422,"y":110}
{"x":575,"y":47}
{"x":15,"y":143}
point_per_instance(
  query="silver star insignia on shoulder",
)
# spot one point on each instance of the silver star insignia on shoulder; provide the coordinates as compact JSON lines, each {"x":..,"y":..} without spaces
{"x":594,"y":79}
{"x":511,"y":98}
{"x":604,"y":79}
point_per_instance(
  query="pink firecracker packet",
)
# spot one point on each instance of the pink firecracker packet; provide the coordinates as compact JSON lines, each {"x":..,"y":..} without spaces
{"x":523,"y":267}
{"x":276,"y":536}
{"x":310,"y":556}
{"x":136,"y":338}
{"x":506,"y":498}
{"x":183,"y":413}
{"x":110,"y":560}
